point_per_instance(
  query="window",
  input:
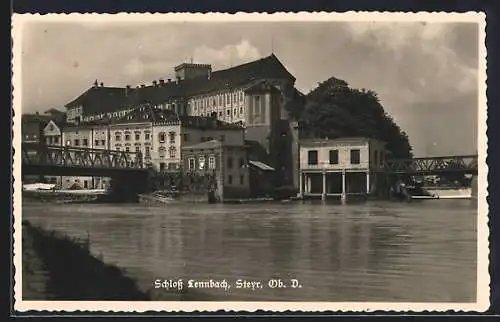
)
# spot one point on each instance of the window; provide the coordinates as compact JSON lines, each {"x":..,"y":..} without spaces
{"x":56,"y":140}
{"x":49,"y":140}
{"x":201,"y":163}
{"x":375,"y":157}
{"x":103,"y":142}
{"x":242,"y":162}
{"x":228,"y":112}
{"x":220,"y":114}
{"x":161,"y":137}
{"x":191,"y":164}
{"x":334,"y":156}
{"x":211,"y":162}
{"x":148,"y":152}
{"x":137,"y":136}
{"x":85,"y":142}
{"x":146,"y":136}
{"x":127,"y":137}
{"x":96,"y":143}
{"x":355,"y":157}
{"x":161,"y":152}
{"x":242,"y":179}
{"x":162,"y":166}
{"x":229,"y":179}
{"x":171,"y":136}
{"x":77,"y":142}
{"x":171,"y":152}
{"x":229,"y":162}
{"x":241,"y":96}
{"x":118,"y":137}
{"x":127,"y":149}
{"x":137,"y":149}
{"x":241,"y":110}
{"x":186,"y":137}
{"x":312,"y":157}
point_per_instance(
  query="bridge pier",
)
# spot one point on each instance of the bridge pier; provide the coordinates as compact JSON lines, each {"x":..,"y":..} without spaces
{"x":126,"y":186}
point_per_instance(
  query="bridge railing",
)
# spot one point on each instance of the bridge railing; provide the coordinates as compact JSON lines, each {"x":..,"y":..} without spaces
{"x":36,"y":154}
{"x":465,"y":163}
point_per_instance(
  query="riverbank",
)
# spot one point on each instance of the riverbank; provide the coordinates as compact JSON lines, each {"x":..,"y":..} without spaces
{"x":56,"y":267}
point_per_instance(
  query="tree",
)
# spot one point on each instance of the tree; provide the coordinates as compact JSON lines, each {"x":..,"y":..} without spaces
{"x":334,"y":110}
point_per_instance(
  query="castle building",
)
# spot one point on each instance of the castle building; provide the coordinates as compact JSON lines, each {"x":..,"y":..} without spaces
{"x":257,"y":96}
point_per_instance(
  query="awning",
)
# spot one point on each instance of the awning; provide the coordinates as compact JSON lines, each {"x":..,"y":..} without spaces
{"x":261,"y":165}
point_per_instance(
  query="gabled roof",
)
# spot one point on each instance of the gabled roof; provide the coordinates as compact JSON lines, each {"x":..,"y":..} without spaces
{"x":265,"y":68}
{"x":60,"y":124}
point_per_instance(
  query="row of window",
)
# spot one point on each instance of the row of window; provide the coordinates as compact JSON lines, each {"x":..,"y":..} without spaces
{"x":220,"y":100}
{"x":220,"y":114}
{"x":161,"y":137}
{"x":211,"y":163}
{"x":312,"y":158}
{"x":162,"y":151}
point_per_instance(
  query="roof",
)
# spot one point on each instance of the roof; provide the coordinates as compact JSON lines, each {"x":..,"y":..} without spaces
{"x":213,"y":144}
{"x":156,"y":115}
{"x":100,"y":99}
{"x":207,"y":123}
{"x":265,"y":68}
{"x":148,"y":113}
{"x":326,"y":141}
{"x":261,"y":166}
{"x":54,"y":111}
{"x":60,"y":123}
{"x":35,"y":118}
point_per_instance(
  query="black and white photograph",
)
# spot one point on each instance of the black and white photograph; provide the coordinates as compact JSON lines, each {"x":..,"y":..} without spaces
{"x":299,"y":161}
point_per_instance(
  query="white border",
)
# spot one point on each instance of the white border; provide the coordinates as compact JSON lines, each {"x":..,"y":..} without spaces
{"x":482,"y":299}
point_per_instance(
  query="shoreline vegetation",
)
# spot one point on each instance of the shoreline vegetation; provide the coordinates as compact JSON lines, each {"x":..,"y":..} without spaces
{"x":57,"y":267}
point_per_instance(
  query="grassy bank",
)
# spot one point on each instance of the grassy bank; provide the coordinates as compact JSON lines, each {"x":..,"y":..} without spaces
{"x":71,"y":272}
{"x":57,"y":267}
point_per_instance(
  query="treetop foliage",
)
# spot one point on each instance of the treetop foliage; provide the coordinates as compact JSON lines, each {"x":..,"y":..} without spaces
{"x":333,"y":110}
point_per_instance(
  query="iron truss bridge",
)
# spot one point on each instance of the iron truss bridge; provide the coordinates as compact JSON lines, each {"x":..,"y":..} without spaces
{"x":40,"y":157}
{"x":466,"y":164}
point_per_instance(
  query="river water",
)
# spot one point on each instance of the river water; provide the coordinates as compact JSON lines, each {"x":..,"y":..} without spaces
{"x":376,"y":251}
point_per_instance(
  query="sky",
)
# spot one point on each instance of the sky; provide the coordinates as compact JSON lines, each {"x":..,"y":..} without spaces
{"x":426,"y":74}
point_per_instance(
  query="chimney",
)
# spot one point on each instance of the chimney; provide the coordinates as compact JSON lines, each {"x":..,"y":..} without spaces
{"x":127,"y":90}
{"x":96,"y":83}
{"x":209,"y":73}
{"x":169,"y":80}
{"x":178,"y":79}
{"x":155,"y":83}
{"x":102,"y":84}
{"x":142,"y":85}
{"x":162,"y":82}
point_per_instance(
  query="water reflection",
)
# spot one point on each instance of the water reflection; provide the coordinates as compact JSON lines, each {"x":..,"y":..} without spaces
{"x":364,"y":252}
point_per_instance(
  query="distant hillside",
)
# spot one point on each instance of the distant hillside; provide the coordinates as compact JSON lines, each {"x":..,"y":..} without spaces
{"x":334,"y":110}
